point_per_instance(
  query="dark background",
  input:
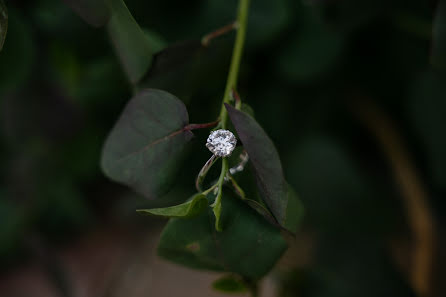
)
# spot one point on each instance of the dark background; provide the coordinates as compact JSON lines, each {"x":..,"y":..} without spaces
{"x":345,"y":89}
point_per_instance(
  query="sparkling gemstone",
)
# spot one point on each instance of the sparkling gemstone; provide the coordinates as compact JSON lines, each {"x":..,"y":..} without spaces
{"x":221,"y":142}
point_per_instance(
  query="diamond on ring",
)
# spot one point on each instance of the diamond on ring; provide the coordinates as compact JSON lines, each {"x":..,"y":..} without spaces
{"x":221,"y":142}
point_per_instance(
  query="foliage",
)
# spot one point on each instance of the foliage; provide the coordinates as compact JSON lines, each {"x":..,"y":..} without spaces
{"x":147,"y":142}
{"x":147,"y":145}
{"x":63,"y":85}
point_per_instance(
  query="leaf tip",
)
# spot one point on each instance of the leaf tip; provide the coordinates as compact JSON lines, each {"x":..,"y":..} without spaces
{"x":229,"y":107}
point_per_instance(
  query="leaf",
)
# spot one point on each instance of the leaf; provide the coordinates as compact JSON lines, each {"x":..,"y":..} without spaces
{"x":248,"y":245}
{"x":156,"y":41}
{"x":145,"y":146}
{"x":229,"y":284}
{"x":267,"y":166}
{"x":191,"y":208}
{"x":131,"y":44}
{"x":438,"y":54}
{"x":94,"y":12}
{"x":181,"y":68}
{"x":262,"y":210}
{"x":3,"y":23}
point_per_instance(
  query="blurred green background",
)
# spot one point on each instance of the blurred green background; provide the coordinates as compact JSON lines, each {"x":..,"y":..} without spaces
{"x":345,"y":89}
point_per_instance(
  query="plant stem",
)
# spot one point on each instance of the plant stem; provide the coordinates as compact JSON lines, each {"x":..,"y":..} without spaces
{"x":201,"y":126}
{"x":217,"y":203}
{"x":237,"y":188}
{"x":223,"y":30}
{"x":209,"y":190}
{"x":231,"y":83}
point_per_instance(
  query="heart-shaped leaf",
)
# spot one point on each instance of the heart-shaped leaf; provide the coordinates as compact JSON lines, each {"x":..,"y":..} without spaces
{"x":94,"y":12}
{"x":438,"y":53}
{"x":130,"y":42}
{"x":248,"y":245}
{"x":3,"y":23}
{"x":267,"y":167}
{"x":196,"y":205}
{"x":146,"y":144}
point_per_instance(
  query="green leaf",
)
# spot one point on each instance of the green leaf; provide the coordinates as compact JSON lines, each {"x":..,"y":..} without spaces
{"x":144,"y":148}
{"x":248,"y":245}
{"x":3,"y":23}
{"x":156,"y":41}
{"x":261,"y":209}
{"x":246,"y":108}
{"x":94,"y":12}
{"x":246,"y":178}
{"x":230,"y":284}
{"x":191,"y":208}
{"x":181,"y":68}
{"x":267,"y":166}
{"x":216,"y":209}
{"x":130,"y":43}
{"x":438,"y":53}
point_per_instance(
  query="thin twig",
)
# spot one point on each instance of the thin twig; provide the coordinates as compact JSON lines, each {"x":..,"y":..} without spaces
{"x":201,"y":126}
{"x":219,"y":32}
{"x":236,"y":96}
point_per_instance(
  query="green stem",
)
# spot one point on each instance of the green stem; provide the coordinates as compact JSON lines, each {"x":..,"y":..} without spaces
{"x":216,"y":206}
{"x":209,"y":190}
{"x":231,"y":83}
{"x":237,"y":188}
